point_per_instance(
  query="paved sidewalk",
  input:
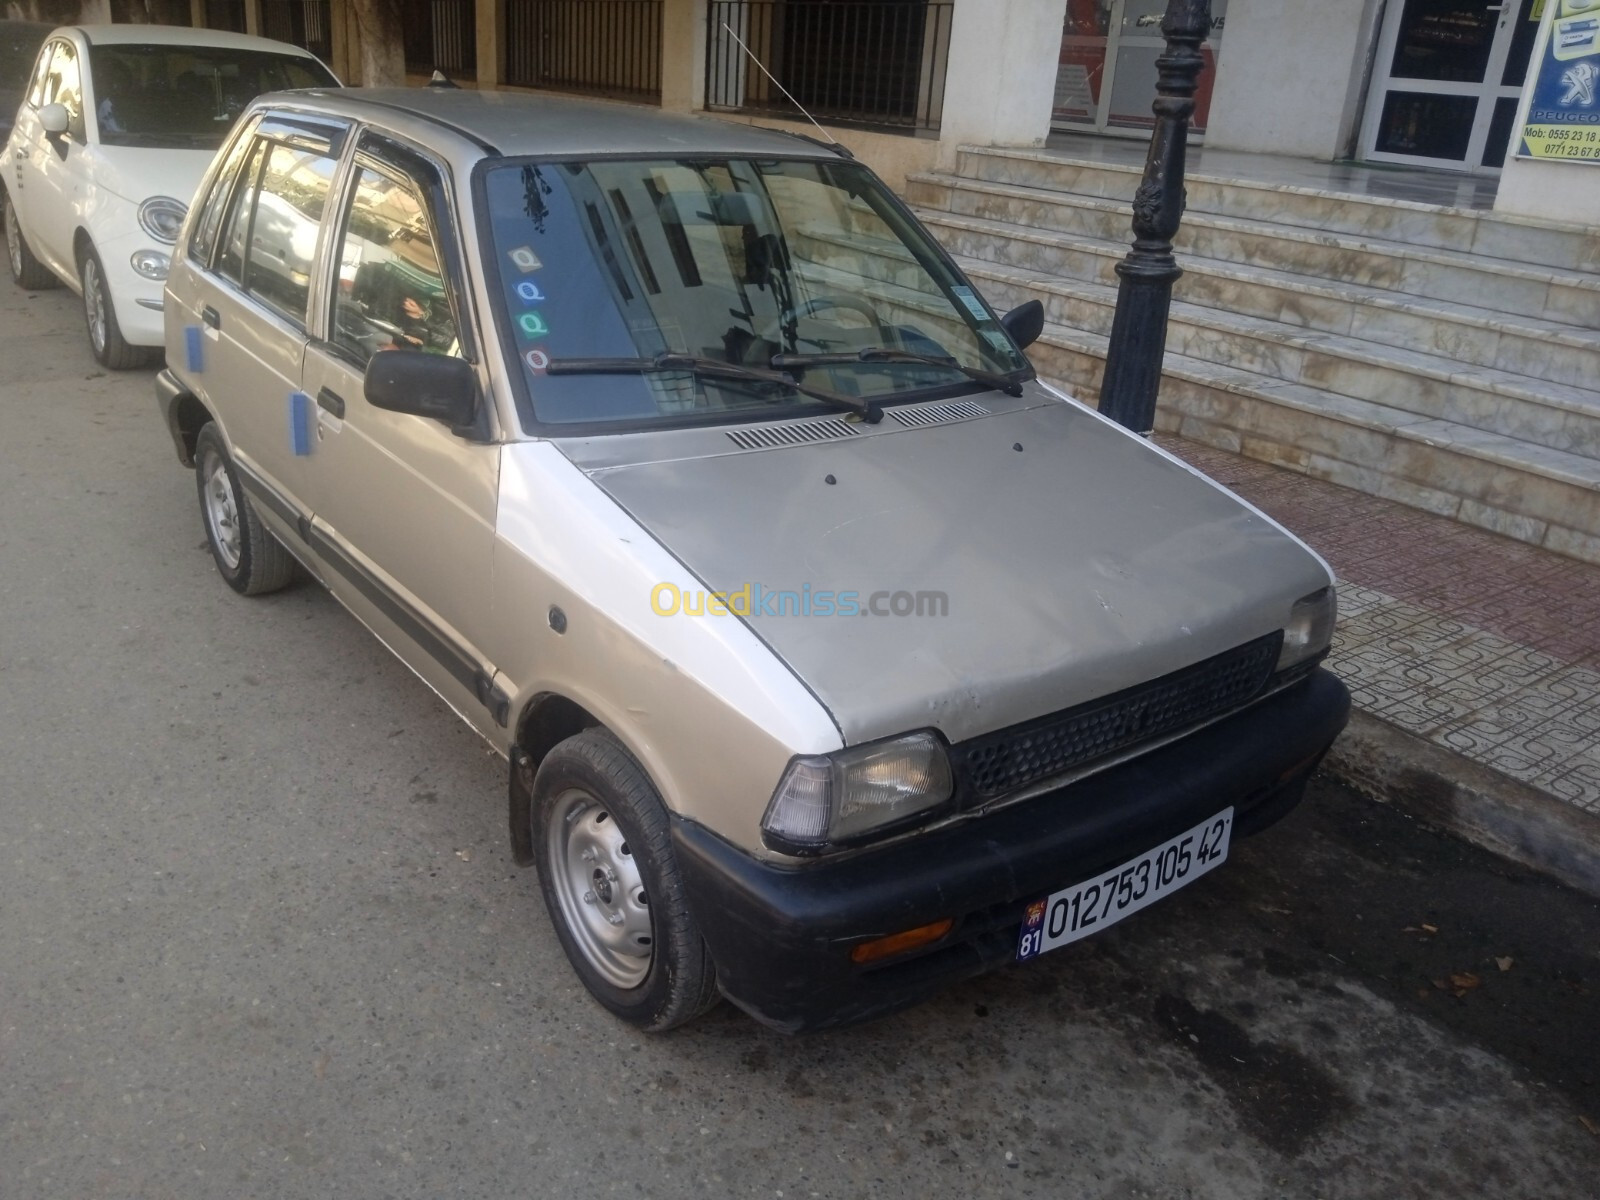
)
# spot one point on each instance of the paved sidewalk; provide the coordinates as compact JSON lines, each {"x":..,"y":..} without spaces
{"x":1476,"y":644}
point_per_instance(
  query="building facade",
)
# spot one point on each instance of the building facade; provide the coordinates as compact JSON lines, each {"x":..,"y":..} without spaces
{"x":1428,"y":83}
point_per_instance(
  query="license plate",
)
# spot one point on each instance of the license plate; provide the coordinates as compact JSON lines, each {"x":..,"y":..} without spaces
{"x":1090,"y":906}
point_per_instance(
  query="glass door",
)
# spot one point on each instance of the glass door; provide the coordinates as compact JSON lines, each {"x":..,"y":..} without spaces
{"x":1448,"y":77}
{"x":1106,"y":77}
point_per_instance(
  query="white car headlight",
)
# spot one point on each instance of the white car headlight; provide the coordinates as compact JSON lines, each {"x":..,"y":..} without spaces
{"x":161,"y":217}
{"x":1310,"y":627}
{"x":840,"y":798}
{"x":150,"y":264}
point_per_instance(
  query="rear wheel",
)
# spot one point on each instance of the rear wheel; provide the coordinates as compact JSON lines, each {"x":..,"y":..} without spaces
{"x":26,"y":270}
{"x":251,"y":560}
{"x":612,"y":888}
{"x":105,"y":335}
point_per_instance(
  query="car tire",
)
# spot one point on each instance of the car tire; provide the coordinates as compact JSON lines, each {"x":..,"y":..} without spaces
{"x":26,"y":270}
{"x":612,"y":887}
{"x":100,"y":319}
{"x":250,"y":559}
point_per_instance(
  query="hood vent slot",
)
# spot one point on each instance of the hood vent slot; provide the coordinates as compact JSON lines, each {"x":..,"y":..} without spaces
{"x":938,"y":414}
{"x":801,"y":433}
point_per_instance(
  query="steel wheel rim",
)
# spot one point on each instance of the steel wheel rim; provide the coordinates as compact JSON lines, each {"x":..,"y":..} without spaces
{"x":14,"y":241}
{"x":222,"y":514}
{"x":597,"y":885}
{"x":94,"y":304}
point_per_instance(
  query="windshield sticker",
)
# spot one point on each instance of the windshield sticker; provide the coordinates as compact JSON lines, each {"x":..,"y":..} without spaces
{"x":528,"y":292}
{"x":194,"y":347}
{"x":538,"y":361}
{"x":996,"y":339}
{"x":532,"y":325}
{"x":974,"y":305}
{"x":524,"y":259}
{"x":300,"y":423}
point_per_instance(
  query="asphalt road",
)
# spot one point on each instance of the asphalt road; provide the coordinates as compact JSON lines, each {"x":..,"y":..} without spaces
{"x":260,"y":936}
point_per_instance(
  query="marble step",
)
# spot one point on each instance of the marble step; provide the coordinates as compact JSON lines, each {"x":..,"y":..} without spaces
{"x":1529,"y":492}
{"x":1540,"y":349}
{"x":1561,"y":296}
{"x":1558,"y":416}
{"x":1517,"y":239}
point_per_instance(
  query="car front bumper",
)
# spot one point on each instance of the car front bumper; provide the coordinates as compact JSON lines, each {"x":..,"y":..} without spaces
{"x":781,"y":936}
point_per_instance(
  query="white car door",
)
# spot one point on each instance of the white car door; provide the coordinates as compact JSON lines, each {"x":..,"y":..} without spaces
{"x":50,"y":193}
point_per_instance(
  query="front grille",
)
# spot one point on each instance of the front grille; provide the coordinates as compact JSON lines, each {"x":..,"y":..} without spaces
{"x":999,"y":763}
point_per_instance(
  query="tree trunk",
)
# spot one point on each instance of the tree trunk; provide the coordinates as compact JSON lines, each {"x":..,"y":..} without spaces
{"x":380,"y":28}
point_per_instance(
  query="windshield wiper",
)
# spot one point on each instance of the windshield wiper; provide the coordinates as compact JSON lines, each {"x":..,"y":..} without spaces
{"x":882,"y":354}
{"x":714,"y":368}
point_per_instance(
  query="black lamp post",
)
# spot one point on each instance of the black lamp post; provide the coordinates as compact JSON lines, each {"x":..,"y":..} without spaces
{"x":1139,"y":328}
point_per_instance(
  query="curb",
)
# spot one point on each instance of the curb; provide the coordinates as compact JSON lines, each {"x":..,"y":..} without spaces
{"x":1471,"y":801}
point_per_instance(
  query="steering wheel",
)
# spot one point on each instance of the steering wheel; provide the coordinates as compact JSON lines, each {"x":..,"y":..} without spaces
{"x":809,"y":308}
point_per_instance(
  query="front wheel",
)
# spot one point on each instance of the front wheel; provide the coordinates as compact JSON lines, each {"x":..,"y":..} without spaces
{"x":612,"y":888}
{"x":105,"y":335}
{"x":250,"y":559}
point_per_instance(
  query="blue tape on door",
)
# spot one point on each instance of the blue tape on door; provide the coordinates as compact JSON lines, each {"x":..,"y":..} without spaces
{"x":194,"y":343}
{"x":300,"y":422}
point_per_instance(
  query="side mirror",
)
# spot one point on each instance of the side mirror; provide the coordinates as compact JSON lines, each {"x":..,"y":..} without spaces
{"x":1024,"y":323}
{"x":55,"y":118}
{"x":439,"y":386}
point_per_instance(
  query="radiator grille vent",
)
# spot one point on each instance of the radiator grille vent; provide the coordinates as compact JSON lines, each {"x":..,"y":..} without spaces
{"x":761,"y":437}
{"x":938,"y":414}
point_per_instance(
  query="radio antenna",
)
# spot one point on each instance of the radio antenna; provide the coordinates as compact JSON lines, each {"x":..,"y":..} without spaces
{"x":832,"y":141}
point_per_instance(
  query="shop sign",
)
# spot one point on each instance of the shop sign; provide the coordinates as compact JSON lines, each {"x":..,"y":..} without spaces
{"x":1564,"y":111}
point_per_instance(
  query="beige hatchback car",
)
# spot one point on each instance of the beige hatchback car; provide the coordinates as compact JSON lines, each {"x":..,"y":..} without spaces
{"x":834,"y":655}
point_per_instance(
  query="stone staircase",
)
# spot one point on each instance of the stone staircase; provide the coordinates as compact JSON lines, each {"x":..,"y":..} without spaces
{"x":1445,"y":358}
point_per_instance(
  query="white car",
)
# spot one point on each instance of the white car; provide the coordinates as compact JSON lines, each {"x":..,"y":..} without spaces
{"x":117,"y":126}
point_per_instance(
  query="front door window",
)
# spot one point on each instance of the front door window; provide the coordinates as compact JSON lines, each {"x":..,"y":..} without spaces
{"x":1448,"y":77}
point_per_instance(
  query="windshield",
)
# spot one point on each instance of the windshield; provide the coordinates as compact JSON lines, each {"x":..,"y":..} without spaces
{"x":787,"y":269}
{"x":187,"y":97}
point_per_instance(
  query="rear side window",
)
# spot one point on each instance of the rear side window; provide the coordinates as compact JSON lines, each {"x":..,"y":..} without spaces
{"x":270,"y":245}
{"x":210,"y":217}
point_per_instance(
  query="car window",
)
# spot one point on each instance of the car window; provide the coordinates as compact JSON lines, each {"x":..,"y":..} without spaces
{"x":209,"y":219}
{"x":290,"y":199}
{"x":182,"y":97}
{"x":236,"y":235}
{"x":391,"y":291}
{"x":63,"y":85}
{"x":41,"y":72}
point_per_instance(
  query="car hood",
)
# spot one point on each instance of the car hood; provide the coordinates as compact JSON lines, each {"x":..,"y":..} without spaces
{"x":135,"y":174}
{"x":1073,"y":559}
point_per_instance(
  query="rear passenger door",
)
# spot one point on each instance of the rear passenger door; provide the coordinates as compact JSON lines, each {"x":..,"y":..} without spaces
{"x":248,"y":300}
{"x":404,"y":505}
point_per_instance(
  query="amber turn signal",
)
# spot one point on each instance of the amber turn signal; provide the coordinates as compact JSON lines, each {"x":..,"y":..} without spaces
{"x":899,"y":943}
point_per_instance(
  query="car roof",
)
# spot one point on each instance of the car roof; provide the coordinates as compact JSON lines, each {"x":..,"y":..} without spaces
{"x":521,"y":123}
{"x":178,"y":35}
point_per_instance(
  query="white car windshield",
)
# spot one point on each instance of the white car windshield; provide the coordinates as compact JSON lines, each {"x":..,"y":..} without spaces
{"x":187,"y":97}
{"x":653,"y":292}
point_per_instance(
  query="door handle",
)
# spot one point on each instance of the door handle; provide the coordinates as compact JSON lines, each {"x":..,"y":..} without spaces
{"x":331,"y":402}
{"x":211,"y":317}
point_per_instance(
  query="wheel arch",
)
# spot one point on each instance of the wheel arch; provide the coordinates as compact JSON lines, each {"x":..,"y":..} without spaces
{"x":547,"y":720}
{"x":186,"y":415}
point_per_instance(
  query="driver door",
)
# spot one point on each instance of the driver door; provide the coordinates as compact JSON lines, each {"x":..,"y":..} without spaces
{"x":404,"y":506}
{"x":48,"y":170}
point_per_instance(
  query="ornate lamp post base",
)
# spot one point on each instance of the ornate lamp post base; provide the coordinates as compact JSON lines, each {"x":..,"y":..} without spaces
{"x":1139,"y":330}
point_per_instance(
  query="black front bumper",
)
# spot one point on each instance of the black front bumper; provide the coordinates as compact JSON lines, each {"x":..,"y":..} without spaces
{"x":781,"y":936}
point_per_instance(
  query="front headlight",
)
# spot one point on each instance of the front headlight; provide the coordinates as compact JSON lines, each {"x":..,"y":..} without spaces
{"x":1310,"y":627}
{"x":161,"y":217}
{"x":845,"y":796}
{"x":150,"y":264}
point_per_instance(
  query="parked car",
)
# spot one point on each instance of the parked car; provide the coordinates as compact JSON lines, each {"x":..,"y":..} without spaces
{"x":117,"y":126}
{"x":19,"y":50}
{"x":834,"y":655}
